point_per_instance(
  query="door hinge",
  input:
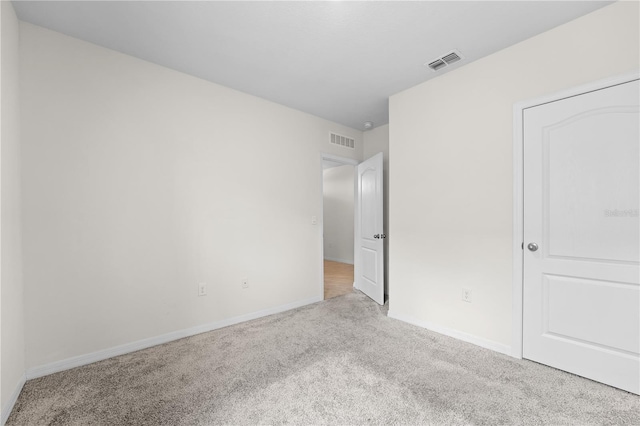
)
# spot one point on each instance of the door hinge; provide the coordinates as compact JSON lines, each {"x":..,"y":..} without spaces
{"x":522,"y":246}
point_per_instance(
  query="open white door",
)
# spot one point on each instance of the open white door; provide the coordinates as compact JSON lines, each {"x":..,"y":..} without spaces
{"x":369,"y":236}
{"x":581,"y":235}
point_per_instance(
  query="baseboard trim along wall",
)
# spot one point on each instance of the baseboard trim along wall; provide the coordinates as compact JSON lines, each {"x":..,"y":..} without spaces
{"x":334,"y":259}
{"x":6,"y":410}
{"x":90,"y":358}
{"x":469,"y":338}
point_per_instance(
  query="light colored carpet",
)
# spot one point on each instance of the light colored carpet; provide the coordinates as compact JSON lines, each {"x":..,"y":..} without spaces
{"x":341,"y":361}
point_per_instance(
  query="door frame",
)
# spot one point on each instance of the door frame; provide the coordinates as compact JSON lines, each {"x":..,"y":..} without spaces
{"x":518,"y":192}
{"x":345,"y":161}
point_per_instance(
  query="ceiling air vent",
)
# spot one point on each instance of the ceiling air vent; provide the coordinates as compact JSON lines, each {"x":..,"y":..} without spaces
{"x":436,"y":65}
{"x":342,"y":141}
{"x":451,"y":58}
{"x":448,"y":59}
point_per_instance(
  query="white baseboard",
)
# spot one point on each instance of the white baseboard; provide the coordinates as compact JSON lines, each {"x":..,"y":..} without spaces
{"x":81,"y":360}
{"x":335,"y":259}
{"x":6,"y":410}
{"x":456,"y":334}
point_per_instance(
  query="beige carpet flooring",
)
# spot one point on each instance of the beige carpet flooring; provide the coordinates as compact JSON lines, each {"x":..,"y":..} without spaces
{"x":340,"y":361}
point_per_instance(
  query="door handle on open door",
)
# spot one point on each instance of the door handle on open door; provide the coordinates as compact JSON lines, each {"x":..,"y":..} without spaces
{"x":376,"y":236}
{"x":532,"y":246}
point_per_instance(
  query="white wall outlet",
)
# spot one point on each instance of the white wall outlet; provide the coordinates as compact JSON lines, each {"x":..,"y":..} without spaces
{"x":314,"y":220}
{"x":202,"y":289}
{"x":245,"y":283}
{"x":466,"y":294}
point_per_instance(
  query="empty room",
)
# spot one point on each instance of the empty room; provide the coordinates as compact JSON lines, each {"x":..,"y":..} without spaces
{"x":319,"y":212}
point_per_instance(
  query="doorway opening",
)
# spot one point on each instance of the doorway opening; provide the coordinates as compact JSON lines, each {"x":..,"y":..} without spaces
{"x":338,"y":201}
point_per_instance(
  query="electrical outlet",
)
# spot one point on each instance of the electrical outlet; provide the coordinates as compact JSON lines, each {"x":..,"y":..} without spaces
{"x":466,"y":294}
{"x":314,"y":220}
{"x":202,"y":289}
{"x":245,"y":283}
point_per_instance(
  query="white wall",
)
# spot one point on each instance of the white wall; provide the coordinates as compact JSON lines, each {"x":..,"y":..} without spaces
{"x":139,"y":182}
{"x":451,"y":191}
{"x":338,"y":193}
{"x":12,"y":366}
{"x":375,"y":141}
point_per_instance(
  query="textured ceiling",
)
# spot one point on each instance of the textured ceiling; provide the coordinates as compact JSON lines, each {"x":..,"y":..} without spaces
{"x":337,"y":60}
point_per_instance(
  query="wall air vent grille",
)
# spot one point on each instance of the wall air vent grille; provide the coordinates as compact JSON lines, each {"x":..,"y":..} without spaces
{"x":448,"y":59}
{"x":342,"y":141}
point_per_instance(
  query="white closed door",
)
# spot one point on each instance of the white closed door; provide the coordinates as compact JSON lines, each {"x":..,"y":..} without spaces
{"x":369,"y":248}
{"x":581,"y":235}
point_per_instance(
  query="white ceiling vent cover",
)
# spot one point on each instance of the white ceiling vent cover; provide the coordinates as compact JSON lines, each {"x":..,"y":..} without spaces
{"x":343,"y":141}
{"x":448,"y":59}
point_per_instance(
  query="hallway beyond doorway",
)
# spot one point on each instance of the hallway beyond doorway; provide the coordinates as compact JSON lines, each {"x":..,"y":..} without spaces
{"x":338,"y":279}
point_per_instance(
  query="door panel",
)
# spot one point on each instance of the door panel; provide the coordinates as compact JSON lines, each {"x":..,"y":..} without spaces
{"x":579,"y":154}
{"x":369,"y":256}
{"x":369,"y":265}
{"x":579,"y":323}
{"x":367,"y":195}
{"x":581,"y":202}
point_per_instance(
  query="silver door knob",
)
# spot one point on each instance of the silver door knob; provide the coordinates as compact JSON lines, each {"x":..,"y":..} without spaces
{"x":532,"y":246}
